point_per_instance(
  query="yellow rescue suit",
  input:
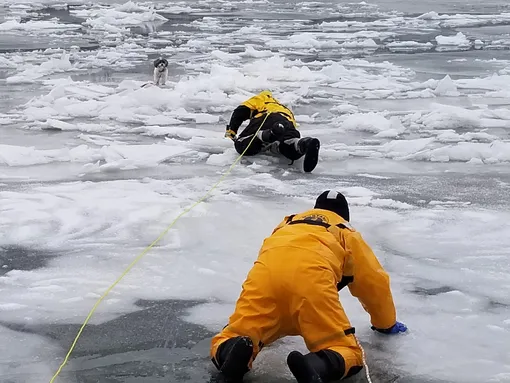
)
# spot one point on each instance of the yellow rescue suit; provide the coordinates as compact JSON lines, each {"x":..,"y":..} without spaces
{"x":292,"y":288}
{"x":264,"y":103}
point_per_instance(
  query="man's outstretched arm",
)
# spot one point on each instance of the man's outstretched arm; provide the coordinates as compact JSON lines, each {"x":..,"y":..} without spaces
{"x":371,"y":283}
{"x":240,"y":114}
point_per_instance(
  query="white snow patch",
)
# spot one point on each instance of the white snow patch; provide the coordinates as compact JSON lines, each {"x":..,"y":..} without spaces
{"x":250,"y":51}
{"x":372,"y":176}
{"x":32,"y":73}
{"x":449,"y":117}
{"x":459,"y":40}
{"x":446,"y":87}
{"x":6,"y":63}
{"x":226,"y":158}
{"x":124,"y":155}
{"x":375,"y":123}
{"x":113,"y":20}
{"x":29,"y":356}
{"x":36,"y":25}
{"x":404,"y":46}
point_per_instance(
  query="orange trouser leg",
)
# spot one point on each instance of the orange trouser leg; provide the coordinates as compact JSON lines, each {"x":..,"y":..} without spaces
{"x":322,"y":320}
{"x":256,"y":314}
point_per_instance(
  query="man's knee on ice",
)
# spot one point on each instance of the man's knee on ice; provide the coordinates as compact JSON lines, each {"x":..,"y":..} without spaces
{"x":290,"y":133}
{"x":288,"y":137}
{"x":244,"y":142}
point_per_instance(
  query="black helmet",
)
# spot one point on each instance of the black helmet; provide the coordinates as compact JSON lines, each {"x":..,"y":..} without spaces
{"x":333,"y":201}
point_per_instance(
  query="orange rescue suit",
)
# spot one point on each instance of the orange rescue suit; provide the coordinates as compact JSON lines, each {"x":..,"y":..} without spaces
{"x":292,"y":289}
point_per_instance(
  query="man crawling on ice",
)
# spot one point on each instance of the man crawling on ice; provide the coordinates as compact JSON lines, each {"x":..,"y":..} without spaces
{"x":278,"y":132}
{"x":292,"y":290}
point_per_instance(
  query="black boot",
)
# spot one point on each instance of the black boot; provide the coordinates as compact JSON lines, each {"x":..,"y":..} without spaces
{"x":310,"y":148}
{"x":232,"y":358}
{"x":316,"y":367}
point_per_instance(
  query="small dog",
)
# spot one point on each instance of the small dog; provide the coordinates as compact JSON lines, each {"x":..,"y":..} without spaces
{"x":160,"y":71}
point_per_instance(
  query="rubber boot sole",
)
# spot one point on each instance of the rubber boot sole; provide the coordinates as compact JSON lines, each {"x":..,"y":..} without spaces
{"x":301,"y":369}
{"x":236,"y":362}
{"x":311,"y":155}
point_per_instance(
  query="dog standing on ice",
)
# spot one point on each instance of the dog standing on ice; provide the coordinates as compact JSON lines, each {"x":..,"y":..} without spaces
{"x":160,"y":71}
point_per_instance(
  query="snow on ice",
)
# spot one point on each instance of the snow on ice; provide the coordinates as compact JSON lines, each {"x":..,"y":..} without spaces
{"x":95,"y":164}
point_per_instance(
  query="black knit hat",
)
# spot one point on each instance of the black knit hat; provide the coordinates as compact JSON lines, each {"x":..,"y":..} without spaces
{"x":335,"y":202}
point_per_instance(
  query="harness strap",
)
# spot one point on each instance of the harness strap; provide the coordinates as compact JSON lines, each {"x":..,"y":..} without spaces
{"x":260,"y":114}
{"x":289,"y":219}
{"x":311,"y":222}
{"x":346,"y":279}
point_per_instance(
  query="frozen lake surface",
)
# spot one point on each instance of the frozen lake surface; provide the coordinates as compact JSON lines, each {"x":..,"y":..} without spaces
{"x":409,"y":99}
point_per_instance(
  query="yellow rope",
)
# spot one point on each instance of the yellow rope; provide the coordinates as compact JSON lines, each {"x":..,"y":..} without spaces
{"x":147,"y":249}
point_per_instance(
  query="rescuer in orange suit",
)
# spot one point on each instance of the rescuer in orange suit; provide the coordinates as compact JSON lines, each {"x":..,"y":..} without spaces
{"x":292,"y":289}
{"x":274,"y":128}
